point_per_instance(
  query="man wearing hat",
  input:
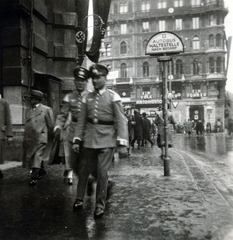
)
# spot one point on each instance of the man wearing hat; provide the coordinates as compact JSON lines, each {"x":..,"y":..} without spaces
{"x":102,"y":126}
{"x":71,"y":107}
{"x":39,"y":121}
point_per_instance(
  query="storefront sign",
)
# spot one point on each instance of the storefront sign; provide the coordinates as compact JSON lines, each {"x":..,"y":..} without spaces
{"x":164,"y":43}
{"x":149,"y":101}
{"x":146,"y":95}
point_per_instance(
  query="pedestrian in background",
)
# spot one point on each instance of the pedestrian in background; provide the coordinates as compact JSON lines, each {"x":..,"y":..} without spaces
{"x":131,"y":124}
{"x":146,"y":130}
{"x":71,"y":106}
{"x":199,"y":127}
{"x":160,"y":123}
{"x":102,"y":126}
{"x":39,"y":122}
{"x":138,"y":129}
{"x":189,"y":127}
{"x":6,"y":134}
{"x":208,"y":128}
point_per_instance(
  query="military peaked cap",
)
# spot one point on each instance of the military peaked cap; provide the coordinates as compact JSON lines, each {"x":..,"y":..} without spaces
{"x":98,"y":70}
{"x":36,"y":94}
{"x":81,"y":72}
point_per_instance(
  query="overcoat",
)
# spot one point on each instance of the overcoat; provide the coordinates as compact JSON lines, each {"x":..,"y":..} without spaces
{"x":5,"y":119}
{"x":5,"y":126}
{"x":146,"y":128}
{"x":160,"y":122}
{"x":138,"y":128}
{"x":38,"y":123}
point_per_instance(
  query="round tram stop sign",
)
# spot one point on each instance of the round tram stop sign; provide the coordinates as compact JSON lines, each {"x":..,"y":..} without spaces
{"x":164,"y":43}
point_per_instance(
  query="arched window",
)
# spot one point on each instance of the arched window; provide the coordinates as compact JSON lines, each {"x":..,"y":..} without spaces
{"x":179,"y":67}
{"x":219,"y":65}
{"x":211,"y":65}
{"x":123,"y":48}
{"x":196,"y":68}
{"x":211,"y":40}
{"x":196,"y":43}
{"x":218,"y":40}
{"x":123,"y":70}
{"x":145,"y":69}
{"x":108,"y":49}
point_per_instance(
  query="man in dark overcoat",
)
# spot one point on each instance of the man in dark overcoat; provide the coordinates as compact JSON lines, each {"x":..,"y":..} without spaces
{"x":138,"y":129}
{"x":102,"y":126}
{"x":5,"y":128}
{"x":71,"y":106}
{"x":38,"y":123}
{"x":146,"y":130}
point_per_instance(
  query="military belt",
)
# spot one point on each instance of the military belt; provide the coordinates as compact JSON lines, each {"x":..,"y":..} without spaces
{"x":96,"y":121}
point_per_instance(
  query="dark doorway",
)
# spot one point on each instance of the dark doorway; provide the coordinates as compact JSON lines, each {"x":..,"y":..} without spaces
{"x":196,"y":113}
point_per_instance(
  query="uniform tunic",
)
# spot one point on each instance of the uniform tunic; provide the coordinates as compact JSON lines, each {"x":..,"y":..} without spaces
{"x":71,"y":108}
{"x":102,"y":122}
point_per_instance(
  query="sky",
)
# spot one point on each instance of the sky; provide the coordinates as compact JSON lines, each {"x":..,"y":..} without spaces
{"x":229,"y":32}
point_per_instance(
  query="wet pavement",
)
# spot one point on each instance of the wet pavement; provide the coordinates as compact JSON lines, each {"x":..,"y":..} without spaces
{"x":195,"y":202}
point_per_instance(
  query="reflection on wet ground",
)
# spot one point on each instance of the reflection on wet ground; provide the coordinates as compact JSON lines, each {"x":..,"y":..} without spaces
{"x":195,"y":202}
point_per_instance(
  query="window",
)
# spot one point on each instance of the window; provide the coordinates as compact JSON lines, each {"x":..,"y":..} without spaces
{"x":211,"y":20}
{"x":196,"y":3}
{"x":218,"y":19}
{"x":179,"y":24}
{"x":196,"y":68}
{"x":123,"y":48}
{"x":178,"y":3}
{"x":211,"y":40}
{"x":145,"y":69}
{"x":123,"y":7}
{"x":196,"y":43}
{"x":211,"y":65}
{"x":162,"y":4}
{"x":123,"y":70}
{"x":145,"y":6}
{"x":179,"y":67}
{"x":195,"y":22}
{"x":123,"y":28}
{"x":162,"y":25}
{"x":218,"y":40}
{"x":219,"y":65}
{"x":108,"y":31}
{"x":115,"y":8}
{"x":145,"y":27}
{"x":108,"y":49}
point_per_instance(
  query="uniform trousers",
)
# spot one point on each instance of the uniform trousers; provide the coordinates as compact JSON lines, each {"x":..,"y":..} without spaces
{"x":99,"y":161}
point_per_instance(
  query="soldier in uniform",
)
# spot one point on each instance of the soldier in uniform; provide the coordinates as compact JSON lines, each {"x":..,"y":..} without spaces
{"x":72,"y":105}
{"x":105,"y":127}
{"x":39,"y":122}
{"x":5,"y":128}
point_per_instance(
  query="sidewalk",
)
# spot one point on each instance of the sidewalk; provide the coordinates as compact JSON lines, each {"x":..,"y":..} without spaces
{"x":143,"y":205}
{"x":10,"y":164}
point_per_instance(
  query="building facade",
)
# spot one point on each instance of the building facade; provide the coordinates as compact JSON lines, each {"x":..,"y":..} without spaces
{"x":38,"y":50}
{"x":198,"y":74}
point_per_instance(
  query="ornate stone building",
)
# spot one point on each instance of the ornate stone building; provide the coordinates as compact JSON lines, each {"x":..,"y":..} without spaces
{"x":38,"y":50}
{"x":199,"y":77}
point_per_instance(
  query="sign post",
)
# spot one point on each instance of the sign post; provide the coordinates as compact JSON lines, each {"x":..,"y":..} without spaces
{"x":164,"y":45}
